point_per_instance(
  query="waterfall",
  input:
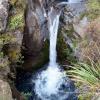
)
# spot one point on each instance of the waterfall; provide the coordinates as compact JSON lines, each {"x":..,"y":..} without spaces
{"x":52,"y":83}
{"x":75,"y":1}
{"x":53,"y":21}
{"x":50,"y":80}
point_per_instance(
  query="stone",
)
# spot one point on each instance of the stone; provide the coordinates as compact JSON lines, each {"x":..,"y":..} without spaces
{"x":5,"y":91}
{"x":4,"y":6}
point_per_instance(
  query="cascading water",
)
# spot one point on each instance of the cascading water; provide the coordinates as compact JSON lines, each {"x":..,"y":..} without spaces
{"x":53,"y":21}
{"x":50,"y":83}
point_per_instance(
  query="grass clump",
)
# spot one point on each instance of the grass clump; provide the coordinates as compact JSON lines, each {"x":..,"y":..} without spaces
{"x":86,"y":73}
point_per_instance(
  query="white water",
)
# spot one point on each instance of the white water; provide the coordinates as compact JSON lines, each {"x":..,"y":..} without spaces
{"x":74,"y":1}
{"x":48,"y":83}
{"x":53,"y":21}
{"x":50,"y":80}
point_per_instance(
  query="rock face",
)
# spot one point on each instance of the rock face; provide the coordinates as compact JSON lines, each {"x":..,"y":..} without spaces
{"x":80,"y":26}
{"x":35,"y":28}
{"x":3,"y":14}
{"x":5,"y":91}
{"x":35,"y":31}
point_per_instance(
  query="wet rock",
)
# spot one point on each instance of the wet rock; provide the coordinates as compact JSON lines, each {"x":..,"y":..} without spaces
{"x":3,"y":14}
{"x":35,"y":31}
{"x":35,"y":28}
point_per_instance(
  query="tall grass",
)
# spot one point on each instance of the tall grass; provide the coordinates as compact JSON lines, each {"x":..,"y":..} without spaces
{"x":86,"y":73}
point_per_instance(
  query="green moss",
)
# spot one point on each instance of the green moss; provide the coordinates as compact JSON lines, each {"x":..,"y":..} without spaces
{"x":93,"y":9}
{"x":65,"y":53}
{"x":4,"y":39}
{"x":16,"y":21}
{"x":87,"y":96}
{"x":12,"y":2}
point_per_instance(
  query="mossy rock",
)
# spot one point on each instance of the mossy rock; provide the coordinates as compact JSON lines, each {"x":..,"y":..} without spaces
{"x":65,"y":53}
{"x":12,"y":2}
{"x":18,"y":3}
{"x":16,"y":15}
{"x":16,"y":22}
{"x":93,"y":10}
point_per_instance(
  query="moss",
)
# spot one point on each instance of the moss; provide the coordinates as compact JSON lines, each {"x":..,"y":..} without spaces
{"x":14,"y":53}
{"x":87,"y":96}
{"x":12,"y":2}
{"x":18,"y":3}
{"x":16,"y":15}
{"x":16,"y":21}
{"x":65,"y":53}
{"x":84,"y":94}
{"x":93,"y":10}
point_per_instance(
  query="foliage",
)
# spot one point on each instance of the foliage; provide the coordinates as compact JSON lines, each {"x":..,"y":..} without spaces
{"x":93,"y":9}
{"x":65,"y":52}
{"x":4,"y":39}
{"x":16,"y":21}
{"x":18,"y":3}
{"x":87,"y":96}
{"x":86,"y":73}
{"x":93,"y":4}
{"x":27,"y":95}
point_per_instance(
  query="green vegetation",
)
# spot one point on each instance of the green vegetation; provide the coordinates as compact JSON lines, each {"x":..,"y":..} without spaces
{"x":88,"y":74}
{"x":27,"y":95}
{"x":65,"y":53}
{"x":87,"y":96}
{"x":16,"y":21}
{"x":4,"y":39}
{"x":93,"y":9}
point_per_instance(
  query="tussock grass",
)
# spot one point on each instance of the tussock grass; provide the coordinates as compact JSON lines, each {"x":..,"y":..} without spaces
{"x":86,"y":73}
